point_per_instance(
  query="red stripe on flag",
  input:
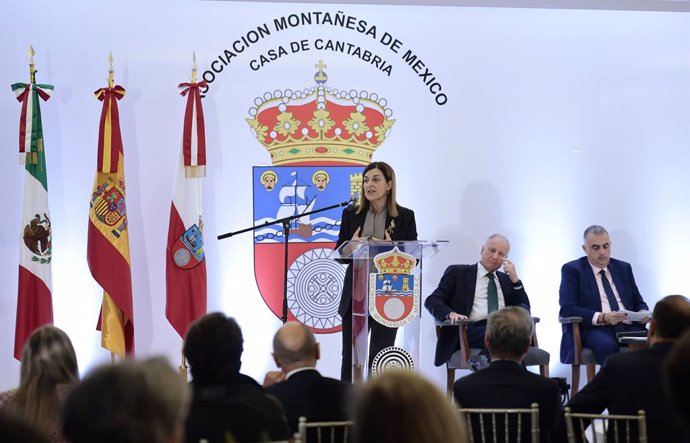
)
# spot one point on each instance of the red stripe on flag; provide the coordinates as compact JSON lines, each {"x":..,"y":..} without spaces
{"x":34,"y":308}
{"x":110,"y":269}
{"x":186,"y":289}
{"x":109,"y":96}
{"x":24,"y":98}
{"x":193,"y":102}
{"x":116,"y":144}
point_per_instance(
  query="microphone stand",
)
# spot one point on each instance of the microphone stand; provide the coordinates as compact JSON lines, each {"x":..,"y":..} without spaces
{"x":285,"y":222}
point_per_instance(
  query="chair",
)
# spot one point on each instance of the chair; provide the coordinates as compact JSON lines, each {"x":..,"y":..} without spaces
{"x":458,"y":360}
{"x":616,"y":428}
{"x":502,"y":425}
{"x":581,"y":355}
{"x":323,"y":431}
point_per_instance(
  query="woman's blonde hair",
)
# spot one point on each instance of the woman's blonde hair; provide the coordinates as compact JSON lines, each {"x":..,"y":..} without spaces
{"x":49,"y":364}
{"x":391,"y":202}
{"x":403,"y":407}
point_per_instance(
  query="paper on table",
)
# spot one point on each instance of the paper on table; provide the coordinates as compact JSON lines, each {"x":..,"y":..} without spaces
{"x":635,"y":316}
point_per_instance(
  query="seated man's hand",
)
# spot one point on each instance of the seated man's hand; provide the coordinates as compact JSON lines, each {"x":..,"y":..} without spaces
{"x":509,"y":268}
{"x":454,"y":316}
{"x":614,"y":317}
{"x":273,"y":377}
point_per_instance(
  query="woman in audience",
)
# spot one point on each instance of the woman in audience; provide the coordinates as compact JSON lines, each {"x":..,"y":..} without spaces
{"x":130,"y":402}
{"x":403,"y":407}
{"x":49,"y":368}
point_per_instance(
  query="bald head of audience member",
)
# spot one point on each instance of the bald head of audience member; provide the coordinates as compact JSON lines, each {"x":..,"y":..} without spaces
{"x":133,"y":401}
{"x":508,"y":333}
{"x":213,"y":347}
{"x":670,"y":319}
{"x":294,"y":347}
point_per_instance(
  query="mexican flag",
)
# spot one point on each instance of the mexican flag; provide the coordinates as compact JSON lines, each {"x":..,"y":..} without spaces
{"x":34,"y":300}
{"x":185,"y":270}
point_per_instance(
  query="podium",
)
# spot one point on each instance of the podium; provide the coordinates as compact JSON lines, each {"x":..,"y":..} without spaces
{"x":386,"y":302}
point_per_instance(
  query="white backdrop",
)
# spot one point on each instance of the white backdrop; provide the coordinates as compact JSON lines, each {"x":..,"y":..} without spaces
{"x":555,"y":120}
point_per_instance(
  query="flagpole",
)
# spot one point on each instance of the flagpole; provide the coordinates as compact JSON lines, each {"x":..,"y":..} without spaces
{"x":111,"y":82}
{"x":32,"y":66}
{"x":31,"y":157}
{"x":111,"y":71}
{"x":183,"y":365}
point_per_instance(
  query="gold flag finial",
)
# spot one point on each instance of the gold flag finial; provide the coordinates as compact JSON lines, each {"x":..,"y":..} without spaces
{"x":193,"y":66}
{"x":111,"y":71}
{"x":32,"y":67}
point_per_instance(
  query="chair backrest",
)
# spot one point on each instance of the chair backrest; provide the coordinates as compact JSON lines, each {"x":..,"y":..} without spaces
{"x":613,"y":428}
{"x":324,"y":431}
{"x":502,"y":425}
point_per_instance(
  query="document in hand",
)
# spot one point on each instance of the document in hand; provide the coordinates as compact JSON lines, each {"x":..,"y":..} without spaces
{"x":636,"y":316}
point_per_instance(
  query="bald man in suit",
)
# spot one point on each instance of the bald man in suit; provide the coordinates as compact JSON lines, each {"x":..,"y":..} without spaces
{"x":302,"y":390}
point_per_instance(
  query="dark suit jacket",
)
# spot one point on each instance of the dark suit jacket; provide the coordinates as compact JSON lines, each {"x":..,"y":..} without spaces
{"x":631,"y":381}
{"x":455,"y":292}
{"x":579,"y":296}
{"x":405,"y":229}
{"x":307,"y":393}
{"x":239,"y":407}
{"x":506,"y":384}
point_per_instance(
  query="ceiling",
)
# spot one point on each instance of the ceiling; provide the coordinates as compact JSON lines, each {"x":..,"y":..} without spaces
{"x":632,"y":5}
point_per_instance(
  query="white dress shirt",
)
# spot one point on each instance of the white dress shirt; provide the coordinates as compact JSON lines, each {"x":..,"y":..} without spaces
{"x":605,"y":306}
{"x":480,"y":307}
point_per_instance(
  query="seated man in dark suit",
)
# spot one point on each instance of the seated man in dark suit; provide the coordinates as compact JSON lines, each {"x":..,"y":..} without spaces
{"x":470,"y":291}
{"x":225,"y":402}
{"x":298,"y":385}
{"x":678,"y":382}
{"x":633,"y":380}
{"x":505,"y":383}
{"x":597,"y":288}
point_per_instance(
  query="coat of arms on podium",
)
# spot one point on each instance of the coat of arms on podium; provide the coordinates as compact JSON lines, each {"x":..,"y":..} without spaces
{"x":394,"y":290}
{"x":319,"y":138}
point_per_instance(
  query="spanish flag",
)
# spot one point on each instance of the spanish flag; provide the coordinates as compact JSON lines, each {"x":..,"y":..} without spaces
{"x":108,"y":241}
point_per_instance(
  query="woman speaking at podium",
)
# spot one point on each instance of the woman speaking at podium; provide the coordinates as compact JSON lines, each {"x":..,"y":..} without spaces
{"x":376,"y":216}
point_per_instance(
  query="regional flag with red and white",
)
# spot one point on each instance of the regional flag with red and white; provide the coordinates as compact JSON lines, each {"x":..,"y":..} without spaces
{"x":185,"y":268}
{"x":34,"y":300}
{"x":108,"y":237}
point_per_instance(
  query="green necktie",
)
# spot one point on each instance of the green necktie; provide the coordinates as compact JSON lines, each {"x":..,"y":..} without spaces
{"x":492,"y":293}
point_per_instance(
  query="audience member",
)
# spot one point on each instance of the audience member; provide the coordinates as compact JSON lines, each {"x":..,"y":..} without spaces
{"x":470,"y":292}
{"x":403,"y":407}
{"x":505,"y":383}
{"x":16,"y":430}
{"x":302,"y":390}
{"x":130,"y":402}
{"x":633,"y":380}
{"x":226,"y":402}
{"x":677,"y":380}
{"x":49,"y":368}
{"x":598,"y":288}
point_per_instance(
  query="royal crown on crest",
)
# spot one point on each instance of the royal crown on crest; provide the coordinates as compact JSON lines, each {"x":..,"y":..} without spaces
{"x":395,"y":262}
{"x":320,"y":124}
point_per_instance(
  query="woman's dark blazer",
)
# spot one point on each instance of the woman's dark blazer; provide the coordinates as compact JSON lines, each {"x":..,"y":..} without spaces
{"x":404,"y":229}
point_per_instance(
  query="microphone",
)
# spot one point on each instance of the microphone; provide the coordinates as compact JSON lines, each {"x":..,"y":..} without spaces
{"x":350,"y":203}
